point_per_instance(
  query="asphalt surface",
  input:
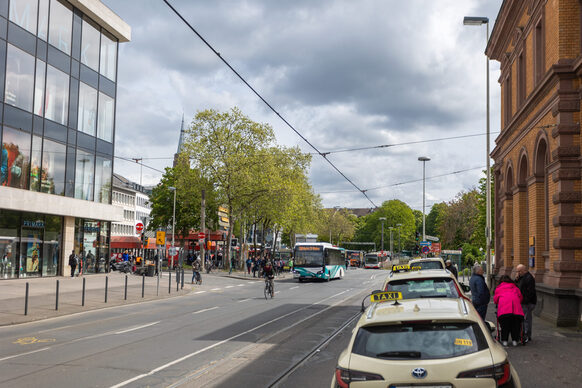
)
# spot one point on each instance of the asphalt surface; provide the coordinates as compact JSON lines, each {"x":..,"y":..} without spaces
{"x":223,"y":333}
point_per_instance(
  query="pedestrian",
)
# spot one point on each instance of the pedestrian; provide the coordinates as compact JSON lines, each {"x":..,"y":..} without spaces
{"x":291,"y":265}
{"x":527,"y":285}
{"x":255,"y":267}
{"x":81,"y":261}
{"x":479,"y":291}
{"x":249,"y":265}
{"x":508,"y":299}
{"x":73,"y":263}
{"x":232,"y":265}
{"x":452,"y":269}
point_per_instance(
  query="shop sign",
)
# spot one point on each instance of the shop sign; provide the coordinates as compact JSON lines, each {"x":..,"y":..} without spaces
{"x":33,"y":224}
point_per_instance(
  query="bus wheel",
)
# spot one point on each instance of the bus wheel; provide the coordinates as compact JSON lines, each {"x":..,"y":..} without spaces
{"x":300,"y":280}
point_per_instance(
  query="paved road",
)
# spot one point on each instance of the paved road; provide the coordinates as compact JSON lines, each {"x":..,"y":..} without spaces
{"x":224,"y":333}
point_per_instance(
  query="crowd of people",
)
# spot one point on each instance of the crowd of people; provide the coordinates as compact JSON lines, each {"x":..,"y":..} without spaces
{"x":515,"y":300}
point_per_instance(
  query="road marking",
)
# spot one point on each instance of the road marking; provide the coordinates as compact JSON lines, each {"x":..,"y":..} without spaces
{"x":200,"y":292}
{"x":292,"y":288}
{"x":216,"y":289}
{"x":137,"y":327}
{"x":208,"y":309}
{"x":229,"y":286}
{"x":240,"y":285}
{"x":171,"y":363}
{"x":24,"y":354}
{"x":32,"y":340}
{"x":244,"y":300}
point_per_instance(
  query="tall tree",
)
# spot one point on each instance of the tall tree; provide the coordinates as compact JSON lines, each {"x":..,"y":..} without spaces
{"x":435,"y":218}
{"x":460,"y":220}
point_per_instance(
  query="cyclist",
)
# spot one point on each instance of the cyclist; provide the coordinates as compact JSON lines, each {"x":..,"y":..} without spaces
{"x":196,"y":265}
{"x":269,"y":274}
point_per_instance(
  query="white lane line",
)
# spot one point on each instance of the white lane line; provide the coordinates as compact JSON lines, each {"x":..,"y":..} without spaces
{"x":292,"y":288}
{"x":200,"y":292}
{"x":24,"y":354}
{"x":240,"y":285}
{"x":137,"y":328}
{"x":169,"y":364}
{"x":208,"y":309}
{"x":244,"y":300}
{"x":229,"y":286}
{"x":216,"y":289}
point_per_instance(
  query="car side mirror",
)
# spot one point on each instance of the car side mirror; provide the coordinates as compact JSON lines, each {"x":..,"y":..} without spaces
{"x":465,"y":288}
{"x":491,"y":326}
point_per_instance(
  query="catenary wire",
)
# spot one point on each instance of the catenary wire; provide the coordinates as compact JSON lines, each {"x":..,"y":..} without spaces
{"x":323,"y":155}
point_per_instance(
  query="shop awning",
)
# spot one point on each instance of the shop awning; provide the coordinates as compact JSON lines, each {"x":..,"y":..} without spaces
{"x":125,"y":242}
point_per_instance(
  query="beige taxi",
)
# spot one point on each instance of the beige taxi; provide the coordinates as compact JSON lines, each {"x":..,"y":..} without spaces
{"x":428,"y":263}
{"x":414,"y":282}
{"x":425,"y":343}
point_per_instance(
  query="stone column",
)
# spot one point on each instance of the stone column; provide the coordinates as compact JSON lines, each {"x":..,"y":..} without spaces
{"x":68,"y":244}
{"x":520,"y":234}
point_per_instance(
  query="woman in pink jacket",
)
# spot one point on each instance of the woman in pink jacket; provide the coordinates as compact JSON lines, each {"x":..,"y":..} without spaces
{"x":508,"y":299}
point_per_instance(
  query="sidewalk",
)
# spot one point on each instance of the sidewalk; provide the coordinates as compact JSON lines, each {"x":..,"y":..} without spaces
{"x":42,"y":301}
{"x":551,"y":359}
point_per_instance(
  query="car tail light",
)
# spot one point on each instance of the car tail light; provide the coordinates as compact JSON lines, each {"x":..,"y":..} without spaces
{"x":500,"y":372}
{"x":345,"y":376}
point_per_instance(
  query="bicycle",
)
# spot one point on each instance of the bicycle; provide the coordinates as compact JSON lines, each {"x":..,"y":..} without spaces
{"x":197,"y":277}
{"x":269,"y":287}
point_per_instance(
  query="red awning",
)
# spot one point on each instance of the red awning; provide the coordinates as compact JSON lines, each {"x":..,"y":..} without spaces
{"x":125,"y":242}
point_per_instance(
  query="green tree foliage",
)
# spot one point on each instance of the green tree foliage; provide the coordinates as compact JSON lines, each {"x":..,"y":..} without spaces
{"x":435,"y":218}
{"x":460,"y":220}
{"x":479,"y":236}
{"x":337,"y":223}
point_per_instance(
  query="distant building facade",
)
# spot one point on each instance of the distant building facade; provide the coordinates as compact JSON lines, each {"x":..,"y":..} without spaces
{"x":538,"y":187}
{"x":58,"y":84}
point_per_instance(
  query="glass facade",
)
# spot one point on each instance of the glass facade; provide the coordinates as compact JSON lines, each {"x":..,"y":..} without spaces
{"x":58,"y":70}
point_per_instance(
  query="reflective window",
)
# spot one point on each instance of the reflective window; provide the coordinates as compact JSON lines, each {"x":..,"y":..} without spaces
{"x":90,"y":45}
{"x":53,"y":168}
{"x":19,"y":78}
{"x":39,"y":88}
{"x":87,"y":109}
{"x":9,"y":222}
{"x":23,"y":13}
{"x":84,"y":175}
{"x":57,"y":95}
{"x":15,"y":158}
{"x":106,"y":117}
{"x":43,"y":11}
{"x":52,"y":241}
{"x":35,"y":167}
{"x":61,"y":26}
{"x":108,"y":56}
{"x":103,"y":180}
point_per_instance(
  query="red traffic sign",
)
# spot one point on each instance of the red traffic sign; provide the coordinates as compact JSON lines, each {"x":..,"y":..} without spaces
{"x":425,"y":249}
{"x":201,"y":236}
{"x":139,"y":227}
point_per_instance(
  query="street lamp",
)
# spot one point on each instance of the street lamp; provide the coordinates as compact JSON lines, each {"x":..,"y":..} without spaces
{"x":382,"y":219}
{"x":423,"y":159}
{"x":478,"y":21}
{"x":391,"y":244}
{"x":331,"y":219}
{"x":173,"y":215}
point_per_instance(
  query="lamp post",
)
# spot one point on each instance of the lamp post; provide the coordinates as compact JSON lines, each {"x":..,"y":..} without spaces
{"x":331,"y":219}
{"x":173,"y":216}
{"x":423,"y":159}
{"x":382,"y":219}
{"x":391,"y":244}
{"x":399,"y":247}
{"x":478,"y":21}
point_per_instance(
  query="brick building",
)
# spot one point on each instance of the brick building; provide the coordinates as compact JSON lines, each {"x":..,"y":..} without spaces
{"x":538,"y":191}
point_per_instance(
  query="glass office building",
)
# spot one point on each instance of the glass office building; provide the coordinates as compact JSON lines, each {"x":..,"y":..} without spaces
{"x":58,"y":83}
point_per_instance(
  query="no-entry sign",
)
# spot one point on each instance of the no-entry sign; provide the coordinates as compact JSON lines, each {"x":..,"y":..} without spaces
{"x":139,"y":227}
{"x":201,"y":236}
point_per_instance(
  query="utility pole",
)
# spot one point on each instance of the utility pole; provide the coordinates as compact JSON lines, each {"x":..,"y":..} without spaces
{"x":140,"y":167}
{"x":203,"y":228}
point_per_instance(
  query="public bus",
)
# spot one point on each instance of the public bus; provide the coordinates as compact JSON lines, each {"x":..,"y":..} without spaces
{"x":356,"y":258}
{"x":373,"y":260}
{"x":318,"y":261}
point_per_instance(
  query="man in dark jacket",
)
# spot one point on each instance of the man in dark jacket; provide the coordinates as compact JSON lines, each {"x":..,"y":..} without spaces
{"x":73,"y":263}
{"x":479,"y":291}
{"x":527,"y":285}
{"x":452,"y":269}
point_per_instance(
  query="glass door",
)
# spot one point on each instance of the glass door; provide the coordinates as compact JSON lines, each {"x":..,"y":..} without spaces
{"x":30,"y":249}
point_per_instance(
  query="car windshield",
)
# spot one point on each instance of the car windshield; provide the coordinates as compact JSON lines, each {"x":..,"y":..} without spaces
{"x":419,"y":340}
{"x":424,"y":288}
{"x":428,"y":264}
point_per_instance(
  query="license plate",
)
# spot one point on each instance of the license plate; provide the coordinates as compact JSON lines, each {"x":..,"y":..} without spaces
{"x":421,"y":386}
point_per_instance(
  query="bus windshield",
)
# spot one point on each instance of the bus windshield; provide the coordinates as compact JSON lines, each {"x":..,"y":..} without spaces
{"x":372,"y":259}
{"x":308,"y":257}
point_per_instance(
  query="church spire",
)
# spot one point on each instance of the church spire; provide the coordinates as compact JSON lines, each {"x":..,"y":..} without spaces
{"x":180,"y":141}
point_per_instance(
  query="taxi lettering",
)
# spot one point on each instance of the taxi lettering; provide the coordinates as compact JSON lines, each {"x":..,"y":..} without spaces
{"x":463,"y":342}
{"x":401,"y":267}
{"x":386,"y":296}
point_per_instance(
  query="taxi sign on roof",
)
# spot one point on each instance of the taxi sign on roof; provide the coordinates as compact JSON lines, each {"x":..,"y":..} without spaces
{"x":400,"y":267}
{"x":385,"y":296}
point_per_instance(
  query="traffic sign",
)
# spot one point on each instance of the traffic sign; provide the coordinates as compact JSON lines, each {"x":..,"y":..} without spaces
{"x":201,"y":236}
{"x":425,"y":249}
{"x":139,"y":227}
{"x":160,"y":237}
{"x":172,"y":251}
{"x":425,"y":243}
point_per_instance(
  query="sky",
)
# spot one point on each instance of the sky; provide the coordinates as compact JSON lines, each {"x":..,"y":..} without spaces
{"x":345,"y":74}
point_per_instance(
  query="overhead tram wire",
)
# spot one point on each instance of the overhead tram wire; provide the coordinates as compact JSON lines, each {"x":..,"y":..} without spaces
{"x":140,"y":163}
{"x":322,"y":154}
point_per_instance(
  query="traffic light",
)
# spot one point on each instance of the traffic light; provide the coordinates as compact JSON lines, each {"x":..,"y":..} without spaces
{"x":417,"y":236}
{"x":234,"y":242}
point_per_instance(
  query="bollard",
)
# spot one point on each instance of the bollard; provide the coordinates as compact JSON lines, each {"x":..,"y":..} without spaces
{"x":158,"y":285}
{"x":125,"y":292}
{"x":182,"y":286}
{"x":83,"y":295}
{"x":26,"y":300}
{"x":177,"y":279}
{"x":106,"y":283}
{"x":169,"y":281}
{"x":142,"y":284}
{"x":57,"y":297}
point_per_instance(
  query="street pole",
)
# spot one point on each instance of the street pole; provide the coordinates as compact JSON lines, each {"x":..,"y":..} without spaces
{"x":478,"y":21}
{"x":382,"y":219}
{"x":391,"y":244}
{"x":399,"y":247}
{"x":423,"y":159}
{"x":203,"y":228}
{"x":173,"y":249}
